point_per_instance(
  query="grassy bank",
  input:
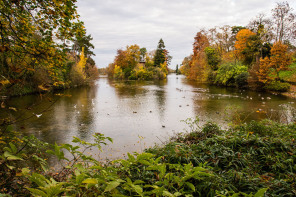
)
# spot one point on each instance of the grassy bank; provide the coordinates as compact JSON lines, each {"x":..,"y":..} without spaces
{"x":248,"y":160}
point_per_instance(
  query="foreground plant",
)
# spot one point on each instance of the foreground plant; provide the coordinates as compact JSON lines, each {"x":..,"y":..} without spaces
{"x":247,"y":160}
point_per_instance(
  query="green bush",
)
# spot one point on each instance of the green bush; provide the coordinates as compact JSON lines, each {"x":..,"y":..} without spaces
{"x":141,"y":74}
{"x":241,"y":80}
{"x":227,"y":73}
{"x":278,"y":86}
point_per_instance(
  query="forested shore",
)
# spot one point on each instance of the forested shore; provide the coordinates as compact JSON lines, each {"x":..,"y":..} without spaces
{"x":260,"y":55}
{"x":44,"y":50}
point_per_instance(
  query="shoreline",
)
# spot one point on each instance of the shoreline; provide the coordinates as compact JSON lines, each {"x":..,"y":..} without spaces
{"x":291,"y":93}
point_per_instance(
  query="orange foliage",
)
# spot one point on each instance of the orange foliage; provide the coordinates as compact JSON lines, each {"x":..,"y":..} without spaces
{"x":270,"y":67}
{"x":264,"y":70}
{"x":201,"y":41}
{"x":228,"y":56}
{"x":129,"y":57}
{"x":198,"y":64}
{"x":199,"y":68}
{"x":280,"y":59}
{"x":241,"y":40}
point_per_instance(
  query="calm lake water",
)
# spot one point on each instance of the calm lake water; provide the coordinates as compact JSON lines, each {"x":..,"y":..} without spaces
{"x":139,"y":114}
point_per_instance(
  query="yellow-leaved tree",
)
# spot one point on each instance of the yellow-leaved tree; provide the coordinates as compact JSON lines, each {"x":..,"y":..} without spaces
{"x":118,"y":74}
{"x":78,"y":75}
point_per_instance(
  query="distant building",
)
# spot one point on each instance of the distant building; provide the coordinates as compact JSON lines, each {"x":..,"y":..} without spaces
{"x":142,"y":62}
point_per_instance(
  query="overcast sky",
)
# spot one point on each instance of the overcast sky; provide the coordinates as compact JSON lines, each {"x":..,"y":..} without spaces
{"x":114,"y":24}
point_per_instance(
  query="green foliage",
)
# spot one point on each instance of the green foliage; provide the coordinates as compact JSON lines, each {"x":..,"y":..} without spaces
{"x":177,"y":71}
{"x":35,"y":45}
{"x":248,"y":160}
{"x":243,"y":159}
{"x":278,"y":86}
{"x":159,"y":57}
{"x":253,"y":48}
{"x":46,"y":188}
{"x":17,"y":157}
{"x":241,"y":80}
{"x":289,"y":75}
{"x":84,"y":42}
{"x":213,"y":57}
{"x":143,"y":52}
{"x":141,"y":73}
{"x":229,"y":74}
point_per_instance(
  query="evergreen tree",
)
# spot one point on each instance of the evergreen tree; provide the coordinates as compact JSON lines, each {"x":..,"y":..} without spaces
{"x":177,"y":69}
{"x":159,"y":57}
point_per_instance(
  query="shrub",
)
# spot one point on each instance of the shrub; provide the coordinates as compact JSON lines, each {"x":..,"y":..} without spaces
{"x":241,"y":80}
{"x":158,"y":73}
{"x":278,"y":86}
{"x":227,"y":73}
{"x":242,"y":159}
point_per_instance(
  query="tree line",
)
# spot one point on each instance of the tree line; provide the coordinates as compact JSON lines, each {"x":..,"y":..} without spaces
{"x":260,"y":55}
{"x":43,"y":46}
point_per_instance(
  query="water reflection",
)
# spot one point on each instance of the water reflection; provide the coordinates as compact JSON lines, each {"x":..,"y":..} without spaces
{"x":128,"y":111}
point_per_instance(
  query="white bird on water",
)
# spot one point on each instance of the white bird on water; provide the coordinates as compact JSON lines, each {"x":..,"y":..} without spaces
{"x":75,"y":106}
{"x":38,"y":115}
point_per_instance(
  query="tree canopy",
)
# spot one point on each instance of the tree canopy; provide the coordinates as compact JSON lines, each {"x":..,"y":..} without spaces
{"x":37,"y":35}
{"x":159,"y":57}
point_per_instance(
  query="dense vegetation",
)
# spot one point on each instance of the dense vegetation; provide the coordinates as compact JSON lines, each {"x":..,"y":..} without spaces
{"x":136,"y":63}
{"x":261,"y":55}
{"x":43,"y":46}
{"x":245,"y":160}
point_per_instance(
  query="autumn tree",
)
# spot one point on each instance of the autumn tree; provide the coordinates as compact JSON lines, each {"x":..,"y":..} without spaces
{"x":34,"y":34}
{"x":236,"y":29}
{"x":128,"y":59}
{"x":78,"y":74}
{"x":121,"y":58}
{"x":185,"y":67}
{"x":278,"y":61}
{"x":245,"y":44}
{"x":133,"y":58}
{"x":198,"y":65}
{"x":242,"y":39}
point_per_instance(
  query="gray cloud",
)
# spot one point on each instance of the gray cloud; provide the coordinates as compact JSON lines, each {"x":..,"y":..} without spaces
{"x":114,"y":24}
